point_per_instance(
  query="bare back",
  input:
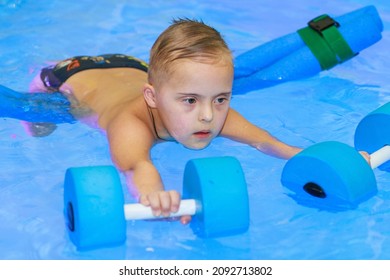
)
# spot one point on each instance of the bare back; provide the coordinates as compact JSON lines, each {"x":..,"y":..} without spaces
{"x":104,"y":91}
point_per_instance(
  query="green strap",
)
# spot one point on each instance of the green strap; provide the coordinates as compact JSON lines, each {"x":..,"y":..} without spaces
{"x":318,"y":46}
{"x":326,"y":42}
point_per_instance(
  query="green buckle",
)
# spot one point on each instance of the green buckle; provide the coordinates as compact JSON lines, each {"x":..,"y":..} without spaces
{"x":326,"y":42}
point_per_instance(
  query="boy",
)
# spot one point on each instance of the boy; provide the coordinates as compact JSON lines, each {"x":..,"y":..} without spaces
{"x":184,"y":96}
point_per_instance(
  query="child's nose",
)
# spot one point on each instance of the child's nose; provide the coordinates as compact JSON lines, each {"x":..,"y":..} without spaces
{"x":206,"y":113}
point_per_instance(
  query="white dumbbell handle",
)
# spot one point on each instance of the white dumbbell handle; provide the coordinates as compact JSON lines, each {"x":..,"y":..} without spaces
{"x":138,"y":211}
{"x":380,"y":156}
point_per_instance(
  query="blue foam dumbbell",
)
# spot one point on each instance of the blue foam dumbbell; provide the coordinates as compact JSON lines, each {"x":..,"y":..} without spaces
{"x":214,"y":192}
{"x":373,"y":132}
{"x":330,"y":171}
{"x":336,"y":172}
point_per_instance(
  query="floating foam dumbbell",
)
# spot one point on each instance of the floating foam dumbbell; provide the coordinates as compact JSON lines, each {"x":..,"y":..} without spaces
{"x":214,"y":193}
{"x":373,"y":132}
{"x":337,"y":172}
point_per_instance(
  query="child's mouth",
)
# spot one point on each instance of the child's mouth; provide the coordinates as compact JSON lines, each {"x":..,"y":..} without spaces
{"x":202,"y":134}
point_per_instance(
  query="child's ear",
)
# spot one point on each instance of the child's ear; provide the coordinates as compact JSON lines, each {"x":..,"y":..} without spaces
{"x":150,"y":95}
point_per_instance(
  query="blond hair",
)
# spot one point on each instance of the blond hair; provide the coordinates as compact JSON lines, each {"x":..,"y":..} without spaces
{"x":186,"y":39}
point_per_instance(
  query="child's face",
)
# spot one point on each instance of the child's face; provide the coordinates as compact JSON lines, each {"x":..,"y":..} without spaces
{"x":194,"y":103}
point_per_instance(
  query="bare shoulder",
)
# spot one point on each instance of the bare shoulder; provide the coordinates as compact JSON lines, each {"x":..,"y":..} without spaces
{"x":130,"y":137}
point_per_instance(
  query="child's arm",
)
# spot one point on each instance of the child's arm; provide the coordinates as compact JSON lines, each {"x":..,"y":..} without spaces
{"x":130,"y":142}
{"x":239,"y":129}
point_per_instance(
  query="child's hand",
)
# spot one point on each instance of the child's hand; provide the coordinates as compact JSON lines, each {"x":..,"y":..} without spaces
{"x":163,"y":203}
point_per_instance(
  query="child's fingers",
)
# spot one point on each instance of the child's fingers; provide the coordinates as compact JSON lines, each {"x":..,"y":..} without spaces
{"x":143,"y":199}
{"x":175,"y":201}
{"x":162,"y":202}
{"x":154,"y":203}
{"x":165,"y":203}
{"x":185,"y":219}
{"x":151,"y":201}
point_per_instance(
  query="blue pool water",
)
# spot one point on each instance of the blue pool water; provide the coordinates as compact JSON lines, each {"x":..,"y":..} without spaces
{"x":327,"y":106}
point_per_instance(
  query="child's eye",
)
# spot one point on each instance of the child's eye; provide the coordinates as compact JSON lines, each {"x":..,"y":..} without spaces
{"x":190,"y":100}
{"x":221,"y":100}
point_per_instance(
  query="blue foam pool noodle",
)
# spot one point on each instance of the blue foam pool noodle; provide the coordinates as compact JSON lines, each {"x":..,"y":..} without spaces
{"x":289,"y":58}
{"x":35,"y":107}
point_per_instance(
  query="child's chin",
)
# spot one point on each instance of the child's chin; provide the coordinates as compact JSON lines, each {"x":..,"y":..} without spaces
{"x":198,"y":146}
